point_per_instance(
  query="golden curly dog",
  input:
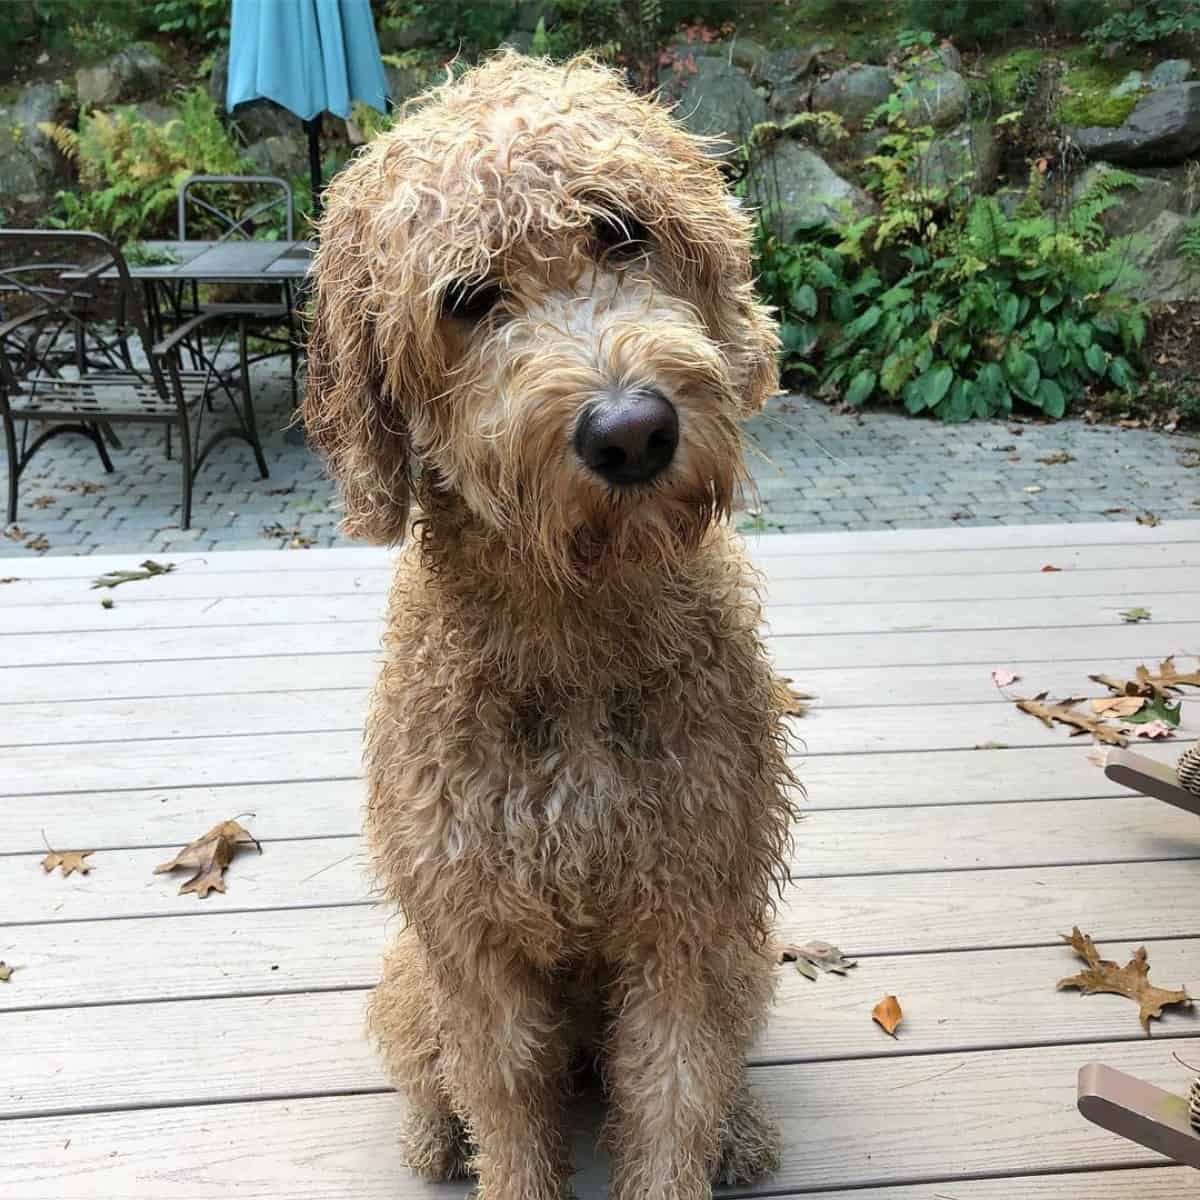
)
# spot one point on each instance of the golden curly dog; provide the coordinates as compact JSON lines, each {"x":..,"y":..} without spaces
{"x":534,"y":315}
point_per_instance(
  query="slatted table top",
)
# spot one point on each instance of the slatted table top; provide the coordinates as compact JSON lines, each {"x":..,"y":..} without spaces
{"x":154,"y":1045}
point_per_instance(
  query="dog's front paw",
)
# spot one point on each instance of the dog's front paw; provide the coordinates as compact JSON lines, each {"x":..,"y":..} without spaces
{"x":750,"y":1142}
{"x":436,"y":1146}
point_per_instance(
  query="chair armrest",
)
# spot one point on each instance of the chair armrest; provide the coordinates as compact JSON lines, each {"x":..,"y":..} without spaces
{"x":171,"y":341}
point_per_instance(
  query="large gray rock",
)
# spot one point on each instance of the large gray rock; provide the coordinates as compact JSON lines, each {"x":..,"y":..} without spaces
{"x":530,"y":12}
{"x":794,"y":187}
{"x":1163,"y":128}
{"x":282,"y":156}
{"x":28,"y":166}
{"x":1138,"y":205}
{"x":853,"y":93}
{"x":787,"y":76}
{"x":1155,"y":252}
{"x":418,"y":31}
{"x":712,"y":97}
{"x":746,"y":53}
{"x":264,"y":119}
{"x":968,"y":154}
{"x":135,"y":71}
{"x":218,"y":79}
{"x":403,"y":83}
{"x":1170,"y":72}
{"x":935,"y":97}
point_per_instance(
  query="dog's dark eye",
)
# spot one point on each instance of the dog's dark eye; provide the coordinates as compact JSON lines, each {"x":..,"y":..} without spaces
{"x":618,"y":235}
{"x":470,"y":301}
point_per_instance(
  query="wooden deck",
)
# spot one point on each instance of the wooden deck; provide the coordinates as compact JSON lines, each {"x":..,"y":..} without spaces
{"x":154,"y":1045}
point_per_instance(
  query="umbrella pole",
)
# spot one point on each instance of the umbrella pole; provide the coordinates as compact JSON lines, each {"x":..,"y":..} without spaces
{"x":313,"y":128}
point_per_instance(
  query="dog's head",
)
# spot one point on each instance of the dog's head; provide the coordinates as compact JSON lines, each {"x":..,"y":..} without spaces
{"x":534,"y":290}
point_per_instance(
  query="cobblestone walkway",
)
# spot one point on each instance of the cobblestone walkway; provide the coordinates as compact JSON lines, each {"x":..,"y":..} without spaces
{"x":814,"y":469}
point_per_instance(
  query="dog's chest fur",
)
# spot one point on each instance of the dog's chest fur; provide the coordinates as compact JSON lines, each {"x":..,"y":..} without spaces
{"x":552,"y":798}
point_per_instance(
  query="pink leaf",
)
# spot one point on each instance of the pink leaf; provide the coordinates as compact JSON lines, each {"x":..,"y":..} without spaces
{"x":1154,"y":729}
{"x":1003,"y":679}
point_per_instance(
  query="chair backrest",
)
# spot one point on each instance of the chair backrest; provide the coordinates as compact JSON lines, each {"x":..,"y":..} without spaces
{"x":68,"y":301}
{"x":233,"y":206}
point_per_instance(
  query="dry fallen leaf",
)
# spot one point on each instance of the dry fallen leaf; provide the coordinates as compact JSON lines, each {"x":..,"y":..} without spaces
{"x":1153,"y":729}
{"x":1117,"y":706}
{"x":1048,"y":568}
{"x":1167,"y":680}
{"x":887,"y":1014}
{"x":1057,"y":457}
{"x":1148,"y":519}
{"x":1132,"y":616}
{"x":68,"y":860}
{"x":5,"y":971}
{"x":10,"y":579}
{"x":42,"y":501}
{"x":1065,"y":713}
{"x":815,"y":956}
{"x":208,"y":856}
{"x":1131,"y":980}
{"x":37,"y":543}
{"x":1003,"y":679}
{"x":149,"y":569}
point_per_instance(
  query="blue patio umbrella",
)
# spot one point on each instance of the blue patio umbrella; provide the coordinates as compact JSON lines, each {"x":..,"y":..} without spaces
{"x":311,"y":57}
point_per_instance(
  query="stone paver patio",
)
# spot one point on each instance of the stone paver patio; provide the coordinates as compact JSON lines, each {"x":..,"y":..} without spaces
{"x":814,"y":469}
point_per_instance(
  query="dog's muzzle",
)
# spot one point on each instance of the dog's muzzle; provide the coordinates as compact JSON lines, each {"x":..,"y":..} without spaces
{"x":628,"y":438}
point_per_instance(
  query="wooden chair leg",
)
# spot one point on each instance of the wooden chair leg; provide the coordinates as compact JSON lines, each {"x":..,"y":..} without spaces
{"x":1151,"y":778}
{"x":1140,"y":1112}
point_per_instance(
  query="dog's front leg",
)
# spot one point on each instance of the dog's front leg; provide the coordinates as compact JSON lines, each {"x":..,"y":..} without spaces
{"x":676,"y":1064}
{"x":505,"y":1062}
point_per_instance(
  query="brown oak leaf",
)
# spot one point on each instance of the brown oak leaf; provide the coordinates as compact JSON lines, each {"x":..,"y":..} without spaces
{"x":887,"y":1014}
{"x":1065,"y":713}
{"x":1131,"y":980}
{"x":208,"y":856}
{"x":68,"y":860}
{"x":1117,"y":706}
{"x":1149,"y":684}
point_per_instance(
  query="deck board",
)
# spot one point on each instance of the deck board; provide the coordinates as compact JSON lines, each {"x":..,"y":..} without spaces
{"x":156,"y":1044}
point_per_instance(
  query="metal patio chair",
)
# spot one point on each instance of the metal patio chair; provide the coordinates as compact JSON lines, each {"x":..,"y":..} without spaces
{"x":78,"y":357}
{"x":203,"y":211}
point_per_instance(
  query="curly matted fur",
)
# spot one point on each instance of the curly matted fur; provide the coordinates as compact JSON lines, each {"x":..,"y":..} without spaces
{"x":576,"y":749}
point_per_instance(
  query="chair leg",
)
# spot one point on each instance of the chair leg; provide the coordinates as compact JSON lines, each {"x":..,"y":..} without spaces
{"x":185,"y":458}
{"x":248,"y":404}
{"x":168,"y":443}
{"x":101,"y":449}
{"x":110,"y":434}
{"x":14,"y":465}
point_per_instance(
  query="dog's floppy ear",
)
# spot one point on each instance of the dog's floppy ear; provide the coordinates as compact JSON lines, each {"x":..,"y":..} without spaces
{"x":348,"y":412}
{"x":761,"y":357}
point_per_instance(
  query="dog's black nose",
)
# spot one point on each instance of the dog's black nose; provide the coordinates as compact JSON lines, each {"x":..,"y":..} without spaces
{"x":629,"y":438}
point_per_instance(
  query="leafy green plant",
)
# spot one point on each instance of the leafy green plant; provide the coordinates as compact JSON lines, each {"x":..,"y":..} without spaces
{"x":949,"y":306}
{"x":197,"y":20}
{"x":1147,"y":22}
{"x":1189,"y":246}
{"x":130,"y":169}
{"x":968,"y":20}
